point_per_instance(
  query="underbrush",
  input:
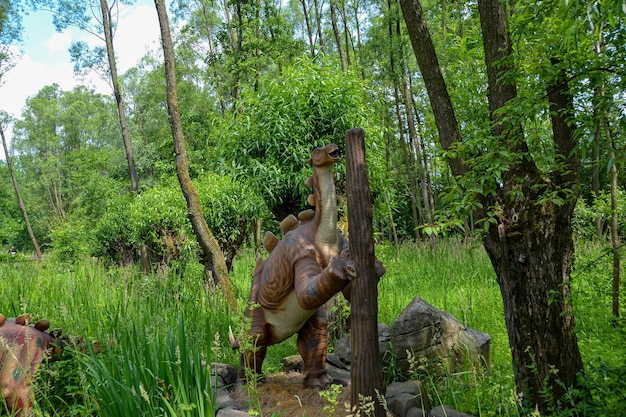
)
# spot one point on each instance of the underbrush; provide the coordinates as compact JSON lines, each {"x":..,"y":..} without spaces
{"x":155,"y":330}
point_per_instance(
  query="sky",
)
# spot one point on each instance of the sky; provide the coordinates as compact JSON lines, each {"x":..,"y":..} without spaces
{"x":46,"y":60}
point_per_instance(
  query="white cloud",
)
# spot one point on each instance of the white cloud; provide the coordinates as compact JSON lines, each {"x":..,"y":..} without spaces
{"x":137,"y":33}
{"x":27,"y":78}
{"x":59,"y":42}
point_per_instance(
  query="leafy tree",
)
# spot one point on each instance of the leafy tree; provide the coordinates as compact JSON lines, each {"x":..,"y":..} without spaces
{"x":10,"y":33}
{"x":65,"y":156}
{"x":69,"y":13}
{"x":522,"y":181}
{"x":318,"y":105}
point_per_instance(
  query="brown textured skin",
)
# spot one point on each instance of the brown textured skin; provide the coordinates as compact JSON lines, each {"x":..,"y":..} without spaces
{"x":308,"y":266}
{"x":22,"y":349}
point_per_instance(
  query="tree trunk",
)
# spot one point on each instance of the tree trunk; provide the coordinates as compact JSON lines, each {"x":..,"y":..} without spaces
{"x":108,"y":37}
{"x":333,"y":19}
{"x":408,"y":158}
{"x":318,"y":21}
{"x":346,"y":35}
{"x":415,"y":155}
{"x":367,"y":376}
{"x":308,"y":28}
{"x":214,"y":261}
{"x":531,"y":248}
{"x":614,"y":227}
{"x":7,"y":157}
{"x":440,"y":102}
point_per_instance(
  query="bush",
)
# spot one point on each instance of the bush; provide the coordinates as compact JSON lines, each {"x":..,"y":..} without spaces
{"x":158,"y":219}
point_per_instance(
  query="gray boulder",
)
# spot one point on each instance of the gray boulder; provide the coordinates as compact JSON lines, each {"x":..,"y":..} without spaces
{"x":427,"y":332}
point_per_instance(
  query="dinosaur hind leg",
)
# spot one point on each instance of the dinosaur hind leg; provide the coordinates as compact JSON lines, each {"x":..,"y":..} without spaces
{"x":312,"y":345}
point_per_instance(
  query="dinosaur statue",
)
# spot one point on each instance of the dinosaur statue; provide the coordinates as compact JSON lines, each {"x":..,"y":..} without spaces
{"x":23,"y":346}
{"x":304,"y":269}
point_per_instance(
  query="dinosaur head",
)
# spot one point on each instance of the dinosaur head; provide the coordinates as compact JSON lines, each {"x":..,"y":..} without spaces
{"x":324,"y":156}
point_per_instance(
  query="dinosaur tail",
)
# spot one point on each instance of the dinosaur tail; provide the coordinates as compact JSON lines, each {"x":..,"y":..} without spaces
{"x":234,"y":343}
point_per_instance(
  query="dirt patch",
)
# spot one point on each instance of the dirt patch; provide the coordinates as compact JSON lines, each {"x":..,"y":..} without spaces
{"x":284,"y":395}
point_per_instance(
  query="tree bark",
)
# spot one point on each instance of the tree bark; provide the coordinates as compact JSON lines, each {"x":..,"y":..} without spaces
{"x":333,"y":19}
{"x":214,"y":261}
{"x":108,"y":37}
{"x":614,"y":226}
{"x":7,"y":157}
{"x":408,"y":158}
{"x":308,"y":28}
{"x":440,"y":102}
{"x":532,"y":248}
{"x":318,"y":22}
{"x":367,"y":377}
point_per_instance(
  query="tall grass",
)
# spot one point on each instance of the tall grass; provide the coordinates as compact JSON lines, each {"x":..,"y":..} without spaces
{"x":155,"y":375}
{"x":155,"y":332}
{"x":157,"y":329}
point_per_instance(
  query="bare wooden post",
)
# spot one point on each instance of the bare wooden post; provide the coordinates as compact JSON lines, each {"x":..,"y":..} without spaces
{"x":367,"y":376}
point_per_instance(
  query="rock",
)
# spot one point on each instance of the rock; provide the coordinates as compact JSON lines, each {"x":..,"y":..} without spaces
{"x":340,"y":376}
{"x":223,"y":399}
{"x":432,"y":333}
{"x":403,"y":396}
{"x":293,"y":363}
{"x":334,"y":360}
{"x":417,"y":412}
{"x":231,"y":412}
{"x":227,"y":374}
{"x":429,"y":333}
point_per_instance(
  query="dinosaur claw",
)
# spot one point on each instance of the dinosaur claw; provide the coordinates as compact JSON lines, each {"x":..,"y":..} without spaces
{"x":351,"y":272}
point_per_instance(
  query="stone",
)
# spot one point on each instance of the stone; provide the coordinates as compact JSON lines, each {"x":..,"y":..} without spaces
{"x":334,"y":360}
{"x":293,"y":363}
{"x":340,"y":376}
{"x":434,"y":334}
{"x":226,"y":373}
{"x":402,"y":403}
{"x":231,"y":412}
{"x":430,"y":333}
{"x":417,"y":412}
{"x":223,"y":400}
{"x":403,"y":396}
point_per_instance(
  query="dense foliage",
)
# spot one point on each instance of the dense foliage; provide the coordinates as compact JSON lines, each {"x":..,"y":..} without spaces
{"x":260,"y":85}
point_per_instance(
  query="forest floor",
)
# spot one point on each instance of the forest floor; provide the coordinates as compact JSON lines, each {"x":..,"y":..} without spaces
{"x":284,"y":395}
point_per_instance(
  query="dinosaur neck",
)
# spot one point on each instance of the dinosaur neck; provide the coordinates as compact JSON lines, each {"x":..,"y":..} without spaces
{"x":325,"y":211}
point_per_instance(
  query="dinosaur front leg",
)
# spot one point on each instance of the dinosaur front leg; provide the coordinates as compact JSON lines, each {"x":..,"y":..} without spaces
{"x":315,"y":287}
{"x":252,"y":362}
{"x":254,"y":349}
{"x":312,"y":345}
{"x":380,"y":271}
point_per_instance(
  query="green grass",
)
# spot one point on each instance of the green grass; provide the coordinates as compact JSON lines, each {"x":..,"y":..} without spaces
{"x":152,"y":327}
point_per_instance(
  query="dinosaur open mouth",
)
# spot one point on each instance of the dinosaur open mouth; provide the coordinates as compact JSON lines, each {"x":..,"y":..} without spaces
{"x":335,"y":154}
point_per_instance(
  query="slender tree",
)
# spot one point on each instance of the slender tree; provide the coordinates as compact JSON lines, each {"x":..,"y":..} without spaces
{"x":340,"y":48}
{"x":107,"y":29}
{"x":215,"y":264}
{"x":309,"y":30}
{"x":20,"y":201}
